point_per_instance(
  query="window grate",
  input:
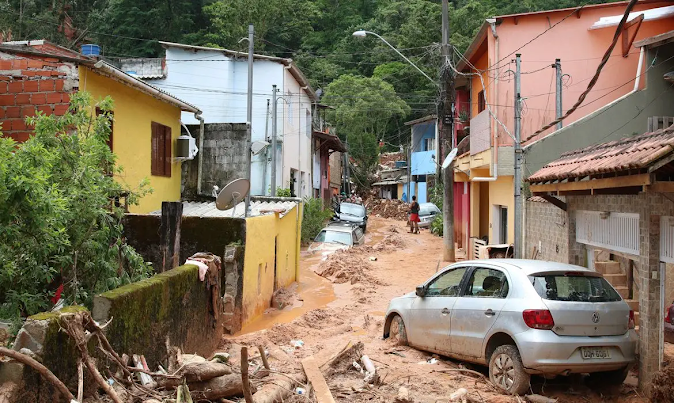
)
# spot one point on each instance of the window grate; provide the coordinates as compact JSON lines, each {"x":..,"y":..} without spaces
{"x":667,"y":239}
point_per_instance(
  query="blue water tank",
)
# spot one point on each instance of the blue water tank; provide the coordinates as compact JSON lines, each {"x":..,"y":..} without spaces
{"x":91,"y":50}
{"x":401,"y":164}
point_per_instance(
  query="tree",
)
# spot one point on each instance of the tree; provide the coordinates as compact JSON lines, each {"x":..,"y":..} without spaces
{"x":58,"y":224}
{"x":364,"y":108}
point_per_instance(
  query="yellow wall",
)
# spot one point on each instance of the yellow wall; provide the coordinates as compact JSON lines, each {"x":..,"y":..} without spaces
{"x":483,"y":212}
{"x":262,"y":234}
{"x":501,"y":192}
{"x":132,"y":136}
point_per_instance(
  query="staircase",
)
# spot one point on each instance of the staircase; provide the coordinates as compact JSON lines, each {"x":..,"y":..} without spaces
{"x":614,"y":274}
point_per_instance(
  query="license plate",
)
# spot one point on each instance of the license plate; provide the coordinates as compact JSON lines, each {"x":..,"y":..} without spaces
{"x":595,"y":353}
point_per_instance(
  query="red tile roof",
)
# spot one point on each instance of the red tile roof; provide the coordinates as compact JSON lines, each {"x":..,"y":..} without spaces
{"x":636,"y":152}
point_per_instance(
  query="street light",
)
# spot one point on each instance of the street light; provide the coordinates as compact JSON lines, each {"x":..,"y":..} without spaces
{"x":362,"y":34}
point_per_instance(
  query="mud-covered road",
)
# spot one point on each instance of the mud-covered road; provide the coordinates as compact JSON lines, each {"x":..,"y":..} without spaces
{"x":348,"y":305}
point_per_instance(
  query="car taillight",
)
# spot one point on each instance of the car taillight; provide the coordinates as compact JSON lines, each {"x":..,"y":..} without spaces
{"x":631,"y":324}
{"x":538,"y":319}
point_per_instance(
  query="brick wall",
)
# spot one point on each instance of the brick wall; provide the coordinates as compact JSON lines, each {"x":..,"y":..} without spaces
{"x":650,"y":207}
{"x":30,"y":84}
{"x":547,"y":230}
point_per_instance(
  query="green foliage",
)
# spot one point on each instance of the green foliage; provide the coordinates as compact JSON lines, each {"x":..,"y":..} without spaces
{"x":57,"y":222}
{"x":314,"y":218}
{"x":437,"y":225}
{"x":283,"y":192}
{"x":437,"y":195}
{"x":363,"y":109}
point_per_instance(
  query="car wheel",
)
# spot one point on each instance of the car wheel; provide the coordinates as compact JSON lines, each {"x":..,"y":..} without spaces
{"x":397,"y":331}
{"x":507,"y":372}
{"x":616,"y":377}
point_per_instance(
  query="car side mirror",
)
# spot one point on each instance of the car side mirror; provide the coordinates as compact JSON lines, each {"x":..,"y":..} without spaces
{"x":421,"y":291}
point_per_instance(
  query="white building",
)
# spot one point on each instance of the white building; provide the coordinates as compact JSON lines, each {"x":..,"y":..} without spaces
{"x":216,"y":81}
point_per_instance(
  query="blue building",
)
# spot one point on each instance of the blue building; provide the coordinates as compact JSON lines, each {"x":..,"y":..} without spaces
{"x":423,"y":148}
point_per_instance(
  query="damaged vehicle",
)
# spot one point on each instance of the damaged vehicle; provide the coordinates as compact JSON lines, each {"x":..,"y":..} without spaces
{"x":337,"y":236}
{"x":520,"y":318}
{"x":352,"y":213}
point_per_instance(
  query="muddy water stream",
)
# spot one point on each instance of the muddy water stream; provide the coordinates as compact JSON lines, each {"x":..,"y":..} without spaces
{"x":313,"y":290}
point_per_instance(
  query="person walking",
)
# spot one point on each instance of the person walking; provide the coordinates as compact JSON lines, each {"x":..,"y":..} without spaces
{"x":414,"y":216}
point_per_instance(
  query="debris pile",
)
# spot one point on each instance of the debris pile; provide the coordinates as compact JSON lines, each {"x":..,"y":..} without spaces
{"x":345,"y":266}
{"x":389,"y":160}
{"x":393,"y":209}
{"x":186,"y":378}
{"x":662,"y":388}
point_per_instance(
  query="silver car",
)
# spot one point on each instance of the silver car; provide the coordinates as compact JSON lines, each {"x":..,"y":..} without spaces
{"x":427,"y":213}
{"x":520,"y":317}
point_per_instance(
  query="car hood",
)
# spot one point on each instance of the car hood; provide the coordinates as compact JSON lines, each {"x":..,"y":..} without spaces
{"x":350,"y":218}
{"x":327,"y":247}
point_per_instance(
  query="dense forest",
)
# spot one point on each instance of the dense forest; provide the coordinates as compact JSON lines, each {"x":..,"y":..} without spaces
{"x":317,"y":34}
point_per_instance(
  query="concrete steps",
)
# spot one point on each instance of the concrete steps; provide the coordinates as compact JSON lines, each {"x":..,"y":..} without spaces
{"x":616,"y":280}
{"x":608,"y":268}
{"x":614,"y":275}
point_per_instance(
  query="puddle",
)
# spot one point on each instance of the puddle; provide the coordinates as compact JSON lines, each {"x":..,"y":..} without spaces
{"x":314,"y":290}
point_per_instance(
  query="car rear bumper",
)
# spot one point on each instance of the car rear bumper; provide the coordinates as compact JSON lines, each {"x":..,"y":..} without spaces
{"x":543,"y":351}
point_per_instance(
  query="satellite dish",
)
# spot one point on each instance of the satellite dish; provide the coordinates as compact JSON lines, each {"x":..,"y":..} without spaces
{"x":450,"y":158}
{"x":232,"y":194}
{"x":258,"y":146}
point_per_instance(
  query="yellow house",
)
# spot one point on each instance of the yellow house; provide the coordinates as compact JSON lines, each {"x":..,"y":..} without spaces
{"x":145,"y":128}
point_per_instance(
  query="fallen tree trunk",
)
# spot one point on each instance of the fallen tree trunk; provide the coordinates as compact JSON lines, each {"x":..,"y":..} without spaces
{"x":41,"y":369}
{"x":217,"y":388}
{"x":278,"y":388}
{"x":196,"y":372}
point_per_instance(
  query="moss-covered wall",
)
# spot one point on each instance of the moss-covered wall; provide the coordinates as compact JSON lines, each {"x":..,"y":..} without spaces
{"x":171,"y":308}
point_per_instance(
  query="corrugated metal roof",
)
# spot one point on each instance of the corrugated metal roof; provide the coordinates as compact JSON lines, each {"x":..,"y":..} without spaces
{"x":637,"y":152}
{"x":258,"y":208}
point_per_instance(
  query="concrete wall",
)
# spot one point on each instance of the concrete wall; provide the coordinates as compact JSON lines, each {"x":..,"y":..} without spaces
{"x":623,"y":118}
{"x":547,"y":230}
{"x":501,"y":193}
{"x":224,"y":158}
{"x":296,"y":129}
{"x":172,"y":308}
{"x":134,"y":113}
{"x":423,"y":163}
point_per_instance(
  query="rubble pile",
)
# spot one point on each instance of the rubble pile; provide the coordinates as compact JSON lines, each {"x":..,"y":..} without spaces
{"x":392,"y":209}
{"x":662,"y":388}
{"x":345,"y":266}
{"x":389,"y":159}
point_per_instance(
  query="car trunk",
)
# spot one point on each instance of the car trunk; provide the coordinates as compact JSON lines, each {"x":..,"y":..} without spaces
{"x":578,"y":318}
{"x":582,"y":304}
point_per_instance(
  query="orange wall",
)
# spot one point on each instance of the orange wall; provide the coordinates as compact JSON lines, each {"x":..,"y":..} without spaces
{"x":580,"y":51}
{"x":476,"y":84}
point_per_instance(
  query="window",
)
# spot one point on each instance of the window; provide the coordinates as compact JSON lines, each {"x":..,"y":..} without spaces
{"x":99,"y":112}
{"x":574,"y":287}
{"x":429,"y":144}
{"x":339,"y":237}
{"x":447,"y":285}
{"x":161,"y":150}
{"x":480,"y":101}
{"x":487,"y":283}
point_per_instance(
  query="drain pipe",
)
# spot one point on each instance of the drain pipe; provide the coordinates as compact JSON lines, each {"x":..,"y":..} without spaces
{"x":494,"y":131}
{"x":201,"y":151}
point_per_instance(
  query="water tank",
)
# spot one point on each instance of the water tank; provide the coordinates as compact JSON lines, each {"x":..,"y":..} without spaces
{"x":401,"y":164}
{"x":91,"y":50}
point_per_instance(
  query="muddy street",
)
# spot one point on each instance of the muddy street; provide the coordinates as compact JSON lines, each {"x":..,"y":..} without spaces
{"x":346,"y":305}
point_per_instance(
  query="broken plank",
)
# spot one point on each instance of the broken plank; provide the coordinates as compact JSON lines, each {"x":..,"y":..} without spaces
{"x":317,"y":381}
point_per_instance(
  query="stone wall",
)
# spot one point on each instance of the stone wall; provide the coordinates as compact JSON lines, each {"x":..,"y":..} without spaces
{"x":169,"y":309}
{"x":224,"y":158}
{"x":547,"y":231}
{"x":650,"y":207}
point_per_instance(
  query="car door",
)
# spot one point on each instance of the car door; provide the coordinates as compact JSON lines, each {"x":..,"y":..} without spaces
{"x":478,"y":308}
{"x":430,"y":318}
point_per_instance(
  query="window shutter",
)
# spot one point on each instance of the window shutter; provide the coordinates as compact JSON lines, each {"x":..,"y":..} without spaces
{"x":156,"y":149}
{"x":167,"y":151}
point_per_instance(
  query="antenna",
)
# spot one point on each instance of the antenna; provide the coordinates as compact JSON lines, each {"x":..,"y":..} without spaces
{"x":232,"y":194}
{"x":450,"y":158}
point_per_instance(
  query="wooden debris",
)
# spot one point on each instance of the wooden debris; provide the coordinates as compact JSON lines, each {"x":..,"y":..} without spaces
{"x":244,"y":376}
{"x":317,"y":381}
{"x":278,"y":388}
{"x":539,"y":399}
{"x":217,"y":388}
{"x":183,"y":395}
{"x":41,"y":369}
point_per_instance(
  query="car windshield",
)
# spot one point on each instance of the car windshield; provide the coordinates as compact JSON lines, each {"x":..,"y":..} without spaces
{"x":339,"y":237}
{"x":352,"y":209}
{"x":572,"y":287}
{"x":428,"y":209}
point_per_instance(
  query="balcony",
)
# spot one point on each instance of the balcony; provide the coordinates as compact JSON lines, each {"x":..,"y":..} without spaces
{"x":480,"y":133}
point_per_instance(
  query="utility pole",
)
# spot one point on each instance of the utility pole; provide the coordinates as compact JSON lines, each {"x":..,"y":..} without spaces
{"x":347,"y":179}
{"x":446,"y":120}
{"x":274,"y":111}
{"x":558,"y":103}
{"x":518,"y":161}
{"x":249,"y":117}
